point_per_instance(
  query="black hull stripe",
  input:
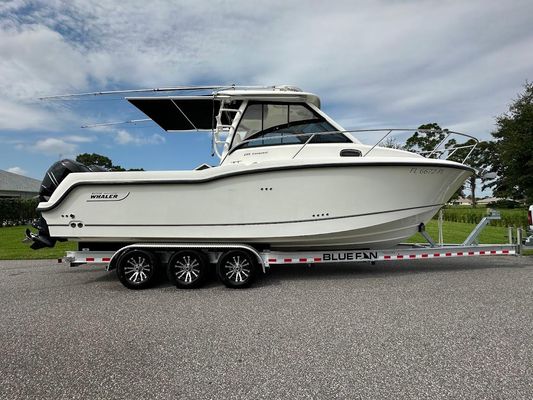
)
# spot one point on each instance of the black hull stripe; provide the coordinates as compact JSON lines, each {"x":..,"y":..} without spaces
{"x":251,"y":171}
{"x":264,"y":223}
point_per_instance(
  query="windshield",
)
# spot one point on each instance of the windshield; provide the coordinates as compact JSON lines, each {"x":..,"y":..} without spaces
{"x":269,"y":124}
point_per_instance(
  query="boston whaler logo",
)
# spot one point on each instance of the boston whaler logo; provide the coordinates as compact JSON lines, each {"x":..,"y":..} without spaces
{"x":107,"y":196}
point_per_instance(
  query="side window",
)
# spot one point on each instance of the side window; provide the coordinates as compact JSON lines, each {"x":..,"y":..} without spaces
{"x":251,"y":123}
{"x":333,"y":137}
{"x":275,"y":115}
{"x":300,"y":113}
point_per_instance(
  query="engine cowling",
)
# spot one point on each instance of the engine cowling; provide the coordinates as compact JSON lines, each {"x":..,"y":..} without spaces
{"x":53,"y":177}
{"x":56,"y":173}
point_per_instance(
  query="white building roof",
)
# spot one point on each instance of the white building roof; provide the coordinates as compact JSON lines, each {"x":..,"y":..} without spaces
{"x":11,"y":182}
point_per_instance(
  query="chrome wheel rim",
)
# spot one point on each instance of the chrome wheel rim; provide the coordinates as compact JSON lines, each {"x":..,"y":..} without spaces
{"x":238,"y":269}
{"x":187,"y":269}
{"x":137,"y":270}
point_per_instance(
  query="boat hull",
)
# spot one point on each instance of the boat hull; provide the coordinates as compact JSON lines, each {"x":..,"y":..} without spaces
{"x":344,"y":205}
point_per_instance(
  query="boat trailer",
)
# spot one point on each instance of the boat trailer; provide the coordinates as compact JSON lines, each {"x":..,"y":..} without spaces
{"x":237,"y":264}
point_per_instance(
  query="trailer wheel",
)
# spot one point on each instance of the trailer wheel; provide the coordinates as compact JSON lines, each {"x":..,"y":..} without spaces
{"x":187,"y":269}
{"x":136,"y":269}
{"x":237,"y":269}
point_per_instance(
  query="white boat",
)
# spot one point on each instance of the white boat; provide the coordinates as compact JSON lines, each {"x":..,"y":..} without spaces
{"x":289,"y":178}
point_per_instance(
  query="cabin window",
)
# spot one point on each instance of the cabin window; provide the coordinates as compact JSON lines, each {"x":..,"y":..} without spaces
{"x":251,"y":123}
{"x":272,"y":124}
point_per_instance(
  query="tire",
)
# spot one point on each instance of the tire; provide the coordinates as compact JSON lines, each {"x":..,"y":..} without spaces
{"x":187,"y":269}
{"x":237,"y":269}
{"x":137,"y":269}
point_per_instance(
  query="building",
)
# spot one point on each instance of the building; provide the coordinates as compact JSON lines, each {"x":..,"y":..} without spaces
{"x":488,"y":200}
{"x":461,"y":201}
{"x":17,"y":186}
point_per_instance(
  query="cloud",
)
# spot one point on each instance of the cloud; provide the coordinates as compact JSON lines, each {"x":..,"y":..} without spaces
{"x":17,"y":115}
{"x":382,"y":62}
{"x":55,"y":146}
{"x":36,"y":61}
{"x":46,"y":60}
{"x":63,"y":147}
{"x":79,"y":139}
{"x":124,"y":138}
{"x":17,"y":170}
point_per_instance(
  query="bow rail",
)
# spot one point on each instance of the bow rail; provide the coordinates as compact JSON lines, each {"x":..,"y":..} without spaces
{"x":447,"y":146}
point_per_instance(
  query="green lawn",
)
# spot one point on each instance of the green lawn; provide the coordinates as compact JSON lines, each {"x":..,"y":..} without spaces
{"x":457,"y":232}
{"x":12,"y":248}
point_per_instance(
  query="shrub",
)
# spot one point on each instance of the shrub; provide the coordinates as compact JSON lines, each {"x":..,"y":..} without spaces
{"x":509,"y":217}
{"x":504,"y":204}
{"x":17,"y":211}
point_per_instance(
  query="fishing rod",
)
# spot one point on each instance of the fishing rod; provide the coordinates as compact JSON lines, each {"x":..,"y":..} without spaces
{"x":152,"y":90}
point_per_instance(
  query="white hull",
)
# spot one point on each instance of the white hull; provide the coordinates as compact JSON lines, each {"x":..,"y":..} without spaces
{"x":292,"y":204}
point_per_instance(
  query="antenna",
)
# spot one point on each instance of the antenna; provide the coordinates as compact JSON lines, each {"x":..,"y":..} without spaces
{"x":131,"y":121}
{"x":153,"y":90}
{"x":168,"y":89}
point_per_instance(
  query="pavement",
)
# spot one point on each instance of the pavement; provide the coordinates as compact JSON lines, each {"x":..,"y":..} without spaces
{"x":453,"y":328}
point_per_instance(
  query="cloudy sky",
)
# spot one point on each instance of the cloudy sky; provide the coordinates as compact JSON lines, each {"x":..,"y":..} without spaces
{"x":374,"y":64}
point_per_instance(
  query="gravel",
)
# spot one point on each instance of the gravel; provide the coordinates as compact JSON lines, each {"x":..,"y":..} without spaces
{"x":454,"y":328}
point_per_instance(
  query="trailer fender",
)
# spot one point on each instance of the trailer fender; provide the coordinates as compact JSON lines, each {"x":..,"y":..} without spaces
{"x":213,"y":247}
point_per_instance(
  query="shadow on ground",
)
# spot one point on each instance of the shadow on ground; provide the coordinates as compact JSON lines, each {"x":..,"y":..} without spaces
{"x":302,"y":272}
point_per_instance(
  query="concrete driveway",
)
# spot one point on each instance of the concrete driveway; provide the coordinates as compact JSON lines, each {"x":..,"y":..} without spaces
{"x":453,"y":328}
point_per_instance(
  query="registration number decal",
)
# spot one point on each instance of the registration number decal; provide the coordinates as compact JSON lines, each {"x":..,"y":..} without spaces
{"x":426,"y":171}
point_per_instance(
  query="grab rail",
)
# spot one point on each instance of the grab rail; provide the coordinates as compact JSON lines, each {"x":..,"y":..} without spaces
{"x":438,"y":151}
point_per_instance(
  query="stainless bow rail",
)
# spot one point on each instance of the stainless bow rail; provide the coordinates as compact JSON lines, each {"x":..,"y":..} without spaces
{"x":438,"y":151}
{"x":444,"y":149}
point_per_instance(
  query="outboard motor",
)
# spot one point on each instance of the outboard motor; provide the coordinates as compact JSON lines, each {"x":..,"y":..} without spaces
{"x":55,"y":174}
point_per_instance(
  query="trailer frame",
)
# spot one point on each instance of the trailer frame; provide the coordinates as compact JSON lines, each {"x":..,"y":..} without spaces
{"x":213,"y":252}
{"x":268,"y":258}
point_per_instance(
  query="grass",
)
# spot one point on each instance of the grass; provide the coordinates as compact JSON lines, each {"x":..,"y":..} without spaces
{"x":12,"y":248}
{"x":457,"y":232}
{"x":527,"y":252}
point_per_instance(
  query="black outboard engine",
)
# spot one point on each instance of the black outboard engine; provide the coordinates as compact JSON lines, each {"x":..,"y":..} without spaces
{"x":55,"y":174}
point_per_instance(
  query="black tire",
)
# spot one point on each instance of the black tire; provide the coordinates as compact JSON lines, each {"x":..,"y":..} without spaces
{"x":187,"y":269}
{"x":237,"y":269}
{"x":137,"y":269}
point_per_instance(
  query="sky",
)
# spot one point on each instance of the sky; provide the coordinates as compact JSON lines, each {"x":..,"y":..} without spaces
{"x":374,"y":64}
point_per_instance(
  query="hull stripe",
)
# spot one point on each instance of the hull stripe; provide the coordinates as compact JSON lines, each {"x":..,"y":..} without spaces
{"x":263,"y":223}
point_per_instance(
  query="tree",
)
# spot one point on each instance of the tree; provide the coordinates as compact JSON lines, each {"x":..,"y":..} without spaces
{"x":392,"y":143}
{"x":101,"y":161}
{"x":429,"y":136}
{"x":478,"y":157}
{"x":513,"y":150}
{"x":95,"y":159}
{"x":426,"y":138}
